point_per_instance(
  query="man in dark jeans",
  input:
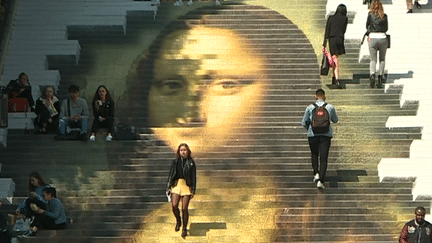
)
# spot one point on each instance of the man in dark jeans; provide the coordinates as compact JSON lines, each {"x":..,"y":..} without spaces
{"x":319,"y":142}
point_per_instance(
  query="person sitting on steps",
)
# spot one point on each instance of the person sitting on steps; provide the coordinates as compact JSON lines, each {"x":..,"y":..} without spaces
{"x":103,"y":111}
{"x":21,"y":88}
{"x":47,"y":111}
{"x":52,"y":218}
{"x":74,"y":113}
{"x":36,"y":186}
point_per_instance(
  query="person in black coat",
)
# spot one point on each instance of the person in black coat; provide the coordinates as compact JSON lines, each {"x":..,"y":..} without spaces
{"x":47,"y":111}
{"x":103,"y":111}
{"x":335,"y":34}
{"x":182,"y":185}
{"x":20,"y":88}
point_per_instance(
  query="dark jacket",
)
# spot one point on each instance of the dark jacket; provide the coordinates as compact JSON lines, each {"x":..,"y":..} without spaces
{"x":106,"y":110}
{"x":376,"y":24}
{"x":13,"y":89}
{"x":189,"y":173}
{"x":336,"y":27}
{"x":414,"y":233}
{"x":43,"y":113}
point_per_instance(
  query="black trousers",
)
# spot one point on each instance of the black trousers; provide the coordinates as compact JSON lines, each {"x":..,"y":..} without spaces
{"x":108,"y":124}
{"x":319,"y":146}
{"x":26,"y":210}
{"x":45,"y":222}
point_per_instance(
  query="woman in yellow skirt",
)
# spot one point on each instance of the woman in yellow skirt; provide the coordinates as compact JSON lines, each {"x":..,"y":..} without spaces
{"x":181,"y":185}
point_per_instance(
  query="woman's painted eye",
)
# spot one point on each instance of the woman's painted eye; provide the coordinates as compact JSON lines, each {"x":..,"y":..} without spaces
{"x":171,"y":87}
{"x":225,"y":87}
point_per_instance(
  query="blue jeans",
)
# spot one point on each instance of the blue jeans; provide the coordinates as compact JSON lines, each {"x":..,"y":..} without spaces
{"x":64,"y":123}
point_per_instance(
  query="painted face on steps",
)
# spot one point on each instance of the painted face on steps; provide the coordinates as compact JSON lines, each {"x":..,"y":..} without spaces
{"x":206,"y":82}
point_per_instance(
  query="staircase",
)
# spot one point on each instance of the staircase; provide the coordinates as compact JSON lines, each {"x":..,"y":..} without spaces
{"x":255,"y":188}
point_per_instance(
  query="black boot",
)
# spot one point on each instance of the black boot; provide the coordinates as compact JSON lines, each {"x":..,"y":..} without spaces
{"x":178,"y":225}
{"x":372,"y":81}
{"x":338,"y":84}
{"x":333,"y":80}
{"x":184,"y":232}
{"x":380,"y":81}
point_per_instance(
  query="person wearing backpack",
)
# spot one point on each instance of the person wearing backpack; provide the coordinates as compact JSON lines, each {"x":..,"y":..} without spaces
{"x":316,"y":120}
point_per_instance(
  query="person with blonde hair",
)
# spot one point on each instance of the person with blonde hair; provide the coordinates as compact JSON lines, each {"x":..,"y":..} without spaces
{"x":47,"y":110}
{"x":377,"y":26}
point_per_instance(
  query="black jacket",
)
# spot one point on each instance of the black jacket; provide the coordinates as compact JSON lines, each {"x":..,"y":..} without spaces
{"x":336,"y":27}
{"x":413,"y":233}
{"x":376,"y":24}
{"x":106,"y":110}
{"x":189,"y":172}
{"x":13,"y":89}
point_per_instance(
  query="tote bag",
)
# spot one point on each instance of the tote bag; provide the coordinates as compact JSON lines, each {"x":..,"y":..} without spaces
{"x":325,"y":65}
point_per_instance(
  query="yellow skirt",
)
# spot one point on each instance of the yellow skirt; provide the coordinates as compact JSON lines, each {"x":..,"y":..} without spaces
{"x":181,"y":188}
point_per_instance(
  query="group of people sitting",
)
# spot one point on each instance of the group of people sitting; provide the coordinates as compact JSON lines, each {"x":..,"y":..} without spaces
{"x":42,"y":206}
{"x":71,"y":114}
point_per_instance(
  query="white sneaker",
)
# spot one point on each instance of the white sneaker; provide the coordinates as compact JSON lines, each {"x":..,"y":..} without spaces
{"x":320,"y":185}
{"x":92,"y":138}
{"x":316,"y":177}
{"x":217,"y":3}
{"x":178,"y":3}
{"x":190,"y":2}
{"x":109,"y":138}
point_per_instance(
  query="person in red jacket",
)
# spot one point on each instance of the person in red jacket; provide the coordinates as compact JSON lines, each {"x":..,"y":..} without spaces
{"x":417,"y":230}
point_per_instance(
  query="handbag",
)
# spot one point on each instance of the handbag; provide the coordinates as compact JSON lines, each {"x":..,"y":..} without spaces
{"x":125,"y":132}
{"x":325,"y":65}
{"x":388,"y":40}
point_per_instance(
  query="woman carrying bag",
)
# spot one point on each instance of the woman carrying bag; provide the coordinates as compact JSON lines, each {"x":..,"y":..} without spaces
{"x":335,"y":33}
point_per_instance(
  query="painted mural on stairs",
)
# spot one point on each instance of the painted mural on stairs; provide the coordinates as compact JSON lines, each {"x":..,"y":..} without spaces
{"x":232,"y":81}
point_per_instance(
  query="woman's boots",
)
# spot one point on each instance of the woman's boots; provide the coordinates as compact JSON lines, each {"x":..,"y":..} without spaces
{"x":380,"y":81}
{"x":336,"y":83}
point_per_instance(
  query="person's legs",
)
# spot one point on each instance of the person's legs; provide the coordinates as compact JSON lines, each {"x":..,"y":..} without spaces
{"x":62,"y":125}
{"x":324,"y":147}
{"x":336,"y":67}
{"x":409,"y":4}
{"x":314,"y":147}
{"x":185,"y":213}
{"x":175,"y":200}
{"x":373,"y":48}
{"x":109,"y":124}
{"x":95,"y":125}
{"x":382,"y":47}
{"x":83,"y":125}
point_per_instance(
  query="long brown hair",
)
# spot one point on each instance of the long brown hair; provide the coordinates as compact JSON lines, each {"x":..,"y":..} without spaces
{"x":39,"y":178}
{"x":377,"y":9}
{"x":187,"y":148}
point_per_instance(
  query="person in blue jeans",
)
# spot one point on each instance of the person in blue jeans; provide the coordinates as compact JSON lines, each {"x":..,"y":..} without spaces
{"x":74,"y":113}
{"x":319,"y":143}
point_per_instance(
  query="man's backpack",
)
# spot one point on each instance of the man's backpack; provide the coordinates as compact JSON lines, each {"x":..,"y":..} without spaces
{"x":320,"y":119}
